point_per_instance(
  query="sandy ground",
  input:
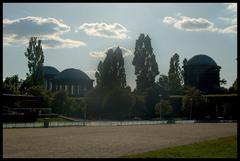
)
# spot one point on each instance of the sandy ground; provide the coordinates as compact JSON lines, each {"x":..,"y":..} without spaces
{"x":107,"y":142}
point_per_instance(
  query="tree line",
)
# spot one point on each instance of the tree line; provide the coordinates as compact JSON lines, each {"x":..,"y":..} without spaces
{"x":111,"y":98}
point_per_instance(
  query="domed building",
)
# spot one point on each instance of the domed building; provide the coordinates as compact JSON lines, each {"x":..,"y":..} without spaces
{"x":49,"y":74}
{"x":75,"y":82}
{"x":202,"y":72}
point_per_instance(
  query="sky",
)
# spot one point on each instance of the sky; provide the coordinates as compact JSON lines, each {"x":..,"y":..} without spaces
{"x":76,"y":35}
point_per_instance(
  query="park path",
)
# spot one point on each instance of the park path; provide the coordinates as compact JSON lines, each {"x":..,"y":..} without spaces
{"x":106,"y":141}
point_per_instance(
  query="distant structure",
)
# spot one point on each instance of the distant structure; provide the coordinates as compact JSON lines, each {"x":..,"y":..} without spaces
{"x":202,"y":72}
{"x":75,"y":82}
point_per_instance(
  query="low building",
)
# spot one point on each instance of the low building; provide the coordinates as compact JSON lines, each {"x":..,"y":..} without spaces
{"x":74,"y":81}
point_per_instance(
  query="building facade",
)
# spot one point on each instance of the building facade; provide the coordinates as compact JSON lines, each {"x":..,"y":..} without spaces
{"x":75,"y":82}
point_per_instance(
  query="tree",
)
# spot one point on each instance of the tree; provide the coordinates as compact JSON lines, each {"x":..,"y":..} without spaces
{"x":163,"y":83}
{"x":175,"y":77}
{"x":34,"y":54}
{"x":11,"y":85}
{"x":39,"y":91}
{"x":116,"y":104}
{"x":164,"y":109}
{"x":138,"y":108}
{"x":151,"y":96}
{"x":146,"y":67}
{"x":111,"y":72}
{"x":193,"y":103}
{"x":61,"y":103}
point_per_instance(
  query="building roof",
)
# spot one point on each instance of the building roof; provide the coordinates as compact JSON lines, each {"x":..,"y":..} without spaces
{"x":49,"y":70}
{"x":201,"y":60}
{"x":72,"y":74}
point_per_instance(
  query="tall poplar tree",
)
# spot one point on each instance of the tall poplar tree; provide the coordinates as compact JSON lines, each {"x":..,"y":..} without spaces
{"x":146,"y":67}
{"x":35,"y":58}
{"x":111,"y":71}
{"x":175,"y":77}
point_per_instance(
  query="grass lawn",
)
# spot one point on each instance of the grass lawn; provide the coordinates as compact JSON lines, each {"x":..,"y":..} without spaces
{"x":220,"y":148}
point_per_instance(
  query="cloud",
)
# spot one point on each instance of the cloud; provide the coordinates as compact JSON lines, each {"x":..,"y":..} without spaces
{"x":169,"y":20}
{"x":194,"y":24}
{"x":38,"y":26}
{"x":198,"y":24}
{"x":57,"y":42}
{"x":49,"y":30}
{"x":114,"y":31}
{"x":101,"y":54}
{"x":230,"y":29}
{"x":97,"y":54}
{"x":232,"y":7}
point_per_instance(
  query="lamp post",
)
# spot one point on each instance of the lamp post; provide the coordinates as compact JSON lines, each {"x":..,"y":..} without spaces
{"x":191,"y":108}
{"x":160,"y":110}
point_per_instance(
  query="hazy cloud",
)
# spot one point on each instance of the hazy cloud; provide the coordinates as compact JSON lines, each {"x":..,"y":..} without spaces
{"x":48,"y":29}
{"x":232,"y":7}
{"x":57,"y":42}
{"x":190,"y":24}
{"x":230,"y":29}
{"x":101,"y":54}
{"x":198,"y":24}
{"x":169,"y":20}
{"x":115,"y":30}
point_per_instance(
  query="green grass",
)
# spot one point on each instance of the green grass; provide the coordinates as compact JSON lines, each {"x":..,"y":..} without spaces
{"x":220,"y":148}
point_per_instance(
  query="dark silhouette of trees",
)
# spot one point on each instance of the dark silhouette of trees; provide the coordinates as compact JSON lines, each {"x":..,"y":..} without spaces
{"x":111,"y":99}
{"x":146,"y":67}
{"x":11,"y":85}
{"x":34,"y":54}
{"x":111,"y":72}
{"x":164,"y":109}
{"x":173,"y":83}
{"x":194,"y":104}
{"x":175,"y":77}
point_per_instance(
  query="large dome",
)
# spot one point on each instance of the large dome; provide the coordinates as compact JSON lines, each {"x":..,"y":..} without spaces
{"x":201,"y":60}
{"x":72,"y":74}
{"x":48,"y":70}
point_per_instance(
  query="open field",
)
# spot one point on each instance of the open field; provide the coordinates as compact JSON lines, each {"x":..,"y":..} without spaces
{"x":106,"y":141}
{"x":225,"y":147}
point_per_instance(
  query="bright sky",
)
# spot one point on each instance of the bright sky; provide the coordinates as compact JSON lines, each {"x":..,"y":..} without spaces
{"x":76,"y":35}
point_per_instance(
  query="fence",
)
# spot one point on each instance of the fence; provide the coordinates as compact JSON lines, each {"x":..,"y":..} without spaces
{"x":90,"y":123}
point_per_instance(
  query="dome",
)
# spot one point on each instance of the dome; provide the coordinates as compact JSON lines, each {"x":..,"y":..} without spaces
{"x":72,"y":74}
{"x":48,"y":70}
{"x":201,"y":60}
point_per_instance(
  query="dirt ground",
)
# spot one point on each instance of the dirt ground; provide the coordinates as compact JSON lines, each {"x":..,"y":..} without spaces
{"x":106,"y":142}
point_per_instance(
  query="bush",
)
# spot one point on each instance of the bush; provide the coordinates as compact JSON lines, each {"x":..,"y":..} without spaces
{"x":164,"y":109}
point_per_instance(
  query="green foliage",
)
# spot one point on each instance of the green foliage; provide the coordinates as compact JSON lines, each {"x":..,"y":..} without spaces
{"x":111,"y":72}
{"x":35,"y":57}
{"x":68,"y":106}
{"x":94,"y":102}
{"x":39,"y":91}
{"x":61,"y":103}
{"x":164,"y":109}
{"x":151,"y":96}
{"x":116,"y":104}
{"x":219,"y":148}
{"x":163,"y":83}
{"x":138,"y":108}
{"x":146,"y":67}
{"x":106,"y":103}
{"x":175,"y":77}
{"x":173,"y":83}
{"x":227,"y":110}
{"x":233,"y":88}
{"x":194,"y":99}
{"x":11,"y":85}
